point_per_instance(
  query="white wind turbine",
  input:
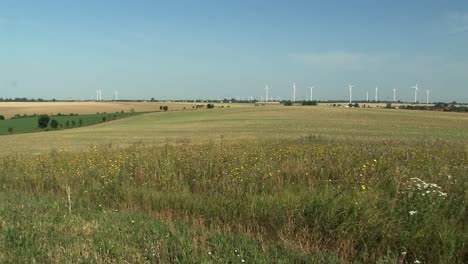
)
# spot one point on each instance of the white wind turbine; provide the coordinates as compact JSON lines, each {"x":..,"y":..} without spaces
{"x":376,"y":93}
{"x":394,"y":95}
{"x":116,"y":95}
{"x":367,"y":96}
{"x":312,"y":93}
{"x":294,"y":92}
{"x":266,"y":90}
{"x":415,"y":92}
{"x":427,"y":96}
{"x":350,"y":93}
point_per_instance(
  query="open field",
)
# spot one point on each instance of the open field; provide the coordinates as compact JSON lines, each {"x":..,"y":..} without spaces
{"x":9,"y":109}
{"x":254,"y":123}
{"x":267,"y":184}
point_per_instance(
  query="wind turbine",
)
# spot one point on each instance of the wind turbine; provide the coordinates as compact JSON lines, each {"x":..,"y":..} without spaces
{"x":294,"y":92}
{"x":415,"y":92}
{"x":427,"y":96}
{"x":376,"y":93}
{"x":394,"y":95}
{"x":312,"y":93}
{"x":97,"y":95}
{"x":266,"y":90}
{"x":350,"y":93}
{"x":116,"y":95}
{"x":367,"y":96}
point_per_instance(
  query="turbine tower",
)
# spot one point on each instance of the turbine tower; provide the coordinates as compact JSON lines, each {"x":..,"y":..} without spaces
{"x":376,"y":93}
{"x":367,"y":96}
{"x":97,"y":95}
{"x":116,"y":95}
{"x":100,"y":95}
{"x":294,"y":92}
{"x":350,"y":93}
{"x":266,"y":90}
{"x":415,"y":92}
{"x":427,"y":96}
{"x":394,"y":95}
{"x":312,"y":93}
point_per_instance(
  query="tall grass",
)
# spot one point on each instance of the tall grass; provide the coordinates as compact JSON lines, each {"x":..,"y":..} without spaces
{"x":362,"y":202}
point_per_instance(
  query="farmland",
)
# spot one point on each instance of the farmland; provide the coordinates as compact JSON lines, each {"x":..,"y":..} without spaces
{"x":251,"y":123}
{"x":265,"y":184}
{"x":30,"y":123}
{"x":9,"y":109}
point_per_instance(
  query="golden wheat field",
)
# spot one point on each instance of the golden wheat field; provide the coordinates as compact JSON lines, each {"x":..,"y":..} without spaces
{"x":9,"y":109}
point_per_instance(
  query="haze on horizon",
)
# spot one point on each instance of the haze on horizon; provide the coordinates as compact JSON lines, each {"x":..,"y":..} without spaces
{"x":68,"y":49}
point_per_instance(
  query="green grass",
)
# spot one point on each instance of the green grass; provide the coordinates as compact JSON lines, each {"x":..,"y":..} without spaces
{"x":41,"y":229}
{"x":347,"y":202}
{"x":30,"y":124}
{"x":282,"y":185}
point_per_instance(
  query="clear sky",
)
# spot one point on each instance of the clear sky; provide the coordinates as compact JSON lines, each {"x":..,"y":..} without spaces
{"x":67,"y":49}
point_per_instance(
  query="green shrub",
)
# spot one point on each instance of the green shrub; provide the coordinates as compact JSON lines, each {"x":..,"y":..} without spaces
{"x":54,"y":124}
{"x":43,"y":121}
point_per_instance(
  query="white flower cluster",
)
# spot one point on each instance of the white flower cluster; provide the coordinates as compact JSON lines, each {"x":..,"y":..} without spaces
{"x":425,"y":188}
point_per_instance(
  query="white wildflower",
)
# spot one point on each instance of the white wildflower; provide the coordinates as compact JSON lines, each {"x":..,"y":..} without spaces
{"x":412,"y":213}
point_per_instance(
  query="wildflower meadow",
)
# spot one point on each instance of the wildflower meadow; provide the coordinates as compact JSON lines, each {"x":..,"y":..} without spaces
{"x":281,"y":201}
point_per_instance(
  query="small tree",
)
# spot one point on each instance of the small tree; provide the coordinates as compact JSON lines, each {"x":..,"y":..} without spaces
{"x":210,"y":106}
{"x":288,"y":103}
{"x":356,"y":105}
{"x":104,"y":119}
{"x":165,"y":108}
{"x":43,"y":121}
{"x":73,"y":123}
{"x":80,"y":122}
{"x":161,"y":107}
{"x":2,"y":117}
{"x":10,"y":130}
{"x":67,"y":124}
{"x":54,"y":124}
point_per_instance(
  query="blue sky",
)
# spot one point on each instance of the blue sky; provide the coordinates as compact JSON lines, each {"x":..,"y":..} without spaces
{"x":215,"y":49}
